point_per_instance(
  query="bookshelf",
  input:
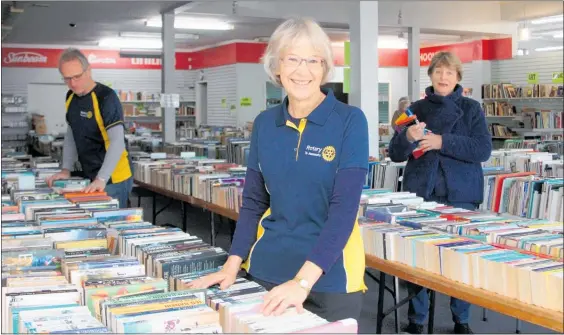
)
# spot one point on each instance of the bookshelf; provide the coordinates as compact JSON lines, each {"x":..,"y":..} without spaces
{"x":15,"y":124}
{"x":523,"y":111}
{"x":143,"y":110}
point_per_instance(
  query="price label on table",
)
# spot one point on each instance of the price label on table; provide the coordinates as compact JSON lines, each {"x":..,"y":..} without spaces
{"x":557,"y":77}
{"x":533,"y":78}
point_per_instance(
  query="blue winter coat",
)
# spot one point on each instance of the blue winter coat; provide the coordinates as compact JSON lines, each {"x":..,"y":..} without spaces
{"x":466,"y":143}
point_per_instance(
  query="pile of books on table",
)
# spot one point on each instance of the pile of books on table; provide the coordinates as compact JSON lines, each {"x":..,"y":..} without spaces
{"x":471,"y":247}
{"x":75,"y":263}
{"x":211,"y":180}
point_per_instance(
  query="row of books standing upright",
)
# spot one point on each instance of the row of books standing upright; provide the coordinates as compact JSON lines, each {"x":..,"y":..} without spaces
{"x":76,"y":263}
{"x":518,"y":258}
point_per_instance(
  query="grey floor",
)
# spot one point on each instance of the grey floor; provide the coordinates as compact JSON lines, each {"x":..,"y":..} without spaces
{"x":199,"y":224}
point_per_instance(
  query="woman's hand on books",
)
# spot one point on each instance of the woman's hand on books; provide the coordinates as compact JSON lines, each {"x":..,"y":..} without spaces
{"x":416,"y":132}
{"x":224,"y":277}
{"x":281,"y":297}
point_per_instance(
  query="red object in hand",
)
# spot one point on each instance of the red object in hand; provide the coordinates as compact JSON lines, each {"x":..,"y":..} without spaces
{"x":418,"y":153}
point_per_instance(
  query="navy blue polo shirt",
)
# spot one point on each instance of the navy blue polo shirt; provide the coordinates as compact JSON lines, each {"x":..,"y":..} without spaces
{"x":299,"y":163}
{"x":90,"y":116}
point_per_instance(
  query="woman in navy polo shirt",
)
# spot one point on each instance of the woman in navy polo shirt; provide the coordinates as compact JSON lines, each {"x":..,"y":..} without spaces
{"x":297,"y":233}
{"x":450,"y":171}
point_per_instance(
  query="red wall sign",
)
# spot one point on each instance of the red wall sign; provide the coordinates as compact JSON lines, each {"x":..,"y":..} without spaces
{"x":242,"y":52}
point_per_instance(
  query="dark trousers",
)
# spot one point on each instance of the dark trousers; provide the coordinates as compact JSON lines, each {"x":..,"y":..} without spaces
{"x":330,"y":306}
{"x":419,"y":305}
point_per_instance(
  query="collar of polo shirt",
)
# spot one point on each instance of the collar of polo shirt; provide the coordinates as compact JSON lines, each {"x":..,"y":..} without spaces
{"x":318,"y":116}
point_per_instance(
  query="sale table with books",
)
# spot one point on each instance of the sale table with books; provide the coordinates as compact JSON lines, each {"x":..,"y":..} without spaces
{"x":75,"y":262}
{"x":522,"y":250}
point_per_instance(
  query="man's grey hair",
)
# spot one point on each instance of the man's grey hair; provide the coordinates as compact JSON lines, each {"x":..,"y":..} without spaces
{"x":71,"y":54}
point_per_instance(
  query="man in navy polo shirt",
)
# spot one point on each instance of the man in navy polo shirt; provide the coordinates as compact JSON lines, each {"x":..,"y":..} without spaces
{"x":297,"y":233}
{"x":95,"y":133}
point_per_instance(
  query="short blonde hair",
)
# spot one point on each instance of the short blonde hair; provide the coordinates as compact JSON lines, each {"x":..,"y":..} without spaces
{"x":287,"y":34}
{"x":448,"y":59}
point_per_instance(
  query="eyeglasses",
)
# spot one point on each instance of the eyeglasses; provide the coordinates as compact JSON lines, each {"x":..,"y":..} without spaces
{"x":73,"y":78}
{"x":312,"y":63}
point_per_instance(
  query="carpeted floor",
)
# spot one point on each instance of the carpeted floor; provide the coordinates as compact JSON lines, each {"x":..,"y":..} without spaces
{"x":199,"y":224}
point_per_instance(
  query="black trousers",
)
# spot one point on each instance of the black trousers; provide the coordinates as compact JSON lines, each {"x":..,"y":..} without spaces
{"x":330,"y":306}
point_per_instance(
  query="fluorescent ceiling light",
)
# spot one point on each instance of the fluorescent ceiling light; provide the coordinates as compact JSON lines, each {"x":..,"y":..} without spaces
{"x":524,"y":34}
{"x":131,"y":43}
{"x":192,"y":23}
{"x":391,"y":42}
{"x":549,"y":48}
{"x":548,"y":19}
{"x":178,"y":36}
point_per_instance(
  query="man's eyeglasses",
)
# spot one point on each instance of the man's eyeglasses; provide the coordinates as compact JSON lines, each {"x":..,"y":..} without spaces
{"x":74,"y":78}
{"x":312,"y":63}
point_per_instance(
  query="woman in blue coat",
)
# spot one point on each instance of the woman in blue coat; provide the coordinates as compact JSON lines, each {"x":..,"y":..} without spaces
{"x":457,"y":141}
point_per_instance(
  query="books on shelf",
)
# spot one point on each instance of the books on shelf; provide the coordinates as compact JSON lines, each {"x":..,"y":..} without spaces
{"x":499,"y":108}
{"x":534,"y":118}
{"x":511,"y":91}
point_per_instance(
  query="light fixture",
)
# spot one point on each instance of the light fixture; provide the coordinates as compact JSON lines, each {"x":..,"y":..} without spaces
{"x":183,"y":22}
{"x":131,"y":43}
{"x":178,"y":36}
{"x":391,"y":42}
{"x":524,"y":34}
{"x":558,"y":35}
{"x":550,"y":48}
{"x":548,"y":19}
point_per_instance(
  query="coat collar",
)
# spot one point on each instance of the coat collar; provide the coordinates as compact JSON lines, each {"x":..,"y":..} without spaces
{"x":318,"y":116}
{"x":450,"y":111}
{"x":455,"y":96}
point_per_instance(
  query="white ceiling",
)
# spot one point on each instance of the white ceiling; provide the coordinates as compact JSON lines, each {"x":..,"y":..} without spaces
{"x":47,"y":22}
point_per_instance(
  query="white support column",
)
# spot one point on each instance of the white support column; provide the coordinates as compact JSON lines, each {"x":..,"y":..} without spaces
{"x":481,"y":74}
{"x":167,"y":76}
{"x":364,"y":66}
{"x":413,"y":63}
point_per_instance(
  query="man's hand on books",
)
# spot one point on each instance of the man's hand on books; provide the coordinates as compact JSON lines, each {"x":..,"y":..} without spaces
{"x":431,"y":142}
{"x":98,"y":185}
{"x":64,"y":174}
{"x":416,"y":132}
{"x":289,"y":294}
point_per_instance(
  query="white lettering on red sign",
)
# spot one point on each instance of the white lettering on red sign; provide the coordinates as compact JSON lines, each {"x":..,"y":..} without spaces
{"x":25,"y":57}
{"x":426,"y":57}
{"x":93,"y":59}
{"x":146,"y":61}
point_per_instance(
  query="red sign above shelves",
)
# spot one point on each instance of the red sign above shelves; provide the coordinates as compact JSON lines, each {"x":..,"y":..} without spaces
{"x":246,"y":52}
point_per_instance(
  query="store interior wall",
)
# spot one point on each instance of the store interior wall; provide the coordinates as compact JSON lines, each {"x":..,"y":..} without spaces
{"x":228,"y":84}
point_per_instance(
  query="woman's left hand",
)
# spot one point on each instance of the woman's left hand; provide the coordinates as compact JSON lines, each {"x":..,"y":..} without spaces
{"x":431,"y":142}
{"x":283,"y":296}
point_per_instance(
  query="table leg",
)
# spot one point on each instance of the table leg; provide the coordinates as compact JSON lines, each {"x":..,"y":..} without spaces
{"x":396,"y":301}
{"x":212,"y":228}
{"x":185,"y":216}
{"x":154,"y":208}
{"x":431,"y":324}
{"x":381,"y":290}
{"x":518,"y":327}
